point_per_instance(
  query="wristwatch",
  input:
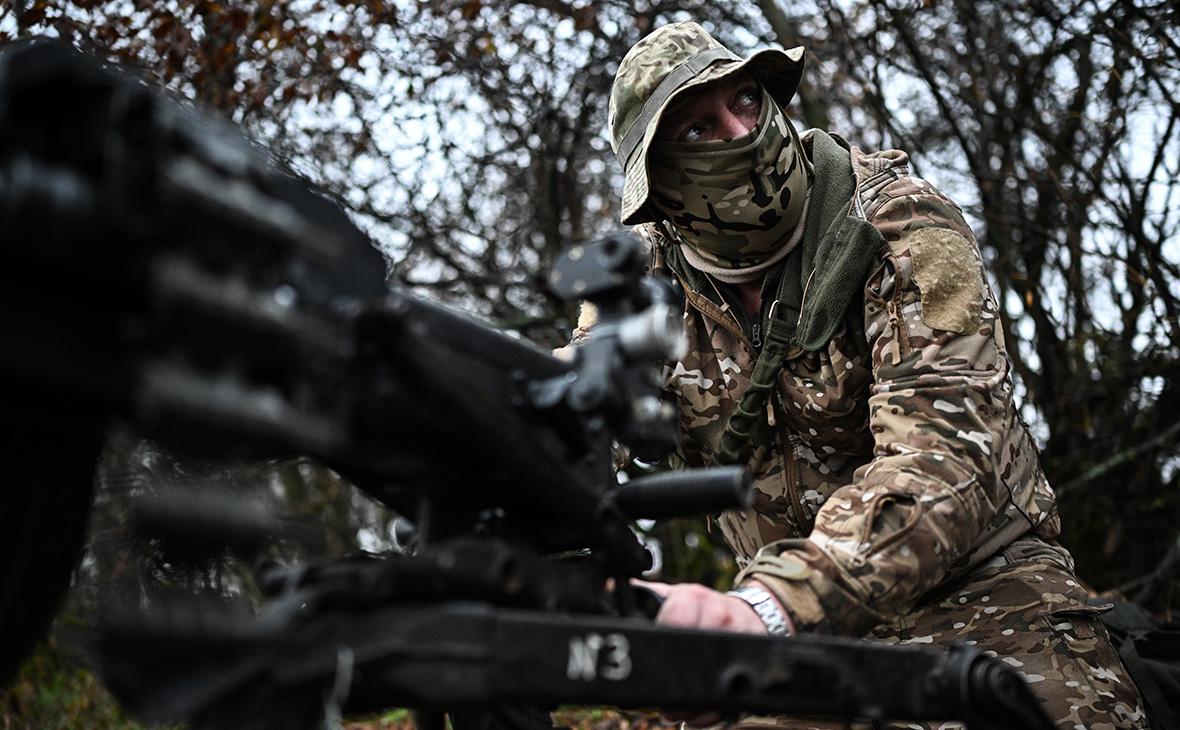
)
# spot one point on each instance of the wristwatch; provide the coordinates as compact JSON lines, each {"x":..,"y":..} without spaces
{"x":766,"y":608}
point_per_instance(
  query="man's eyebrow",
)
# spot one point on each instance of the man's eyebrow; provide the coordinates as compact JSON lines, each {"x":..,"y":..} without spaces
{"x":676,"y":105}
{"x":686,"y":100}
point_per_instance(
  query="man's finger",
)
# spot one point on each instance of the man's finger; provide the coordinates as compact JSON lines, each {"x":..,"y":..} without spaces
{"x":660,"y":589}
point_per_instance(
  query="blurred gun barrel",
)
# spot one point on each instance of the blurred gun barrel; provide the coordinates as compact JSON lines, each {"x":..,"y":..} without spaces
{"x":686,"y":493}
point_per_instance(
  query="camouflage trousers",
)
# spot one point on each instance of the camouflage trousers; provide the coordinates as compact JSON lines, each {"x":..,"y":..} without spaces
{"x":1030,"y":612}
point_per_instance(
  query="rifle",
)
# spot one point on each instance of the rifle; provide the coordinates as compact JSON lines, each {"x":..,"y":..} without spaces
{"x":162,"y":273}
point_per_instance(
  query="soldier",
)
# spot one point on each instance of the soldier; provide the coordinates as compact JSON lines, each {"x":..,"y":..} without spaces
{"x":844,"y":343}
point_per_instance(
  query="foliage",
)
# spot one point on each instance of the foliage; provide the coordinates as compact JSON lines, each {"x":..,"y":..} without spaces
{"x":691,"y":550}
{"x":399,"y":719}
{"x":52,"y":692}
{"x":611,"y":719}
{"x":466,"y":134}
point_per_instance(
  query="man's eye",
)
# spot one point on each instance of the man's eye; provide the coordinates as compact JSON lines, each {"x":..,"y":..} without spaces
{"x":694,"y":133}
{"x":748,"y":98}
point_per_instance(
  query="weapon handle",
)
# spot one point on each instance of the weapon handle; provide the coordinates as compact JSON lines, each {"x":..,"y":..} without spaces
{"x":686,"y":493}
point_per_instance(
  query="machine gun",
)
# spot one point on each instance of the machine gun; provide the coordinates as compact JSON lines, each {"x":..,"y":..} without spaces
{"x":161,"y":273}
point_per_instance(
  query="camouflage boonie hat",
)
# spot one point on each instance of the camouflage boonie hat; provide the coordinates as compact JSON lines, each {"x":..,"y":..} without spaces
{"x":671,"y":59}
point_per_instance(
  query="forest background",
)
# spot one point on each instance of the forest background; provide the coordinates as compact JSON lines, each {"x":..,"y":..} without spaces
{"x":467,"y":137}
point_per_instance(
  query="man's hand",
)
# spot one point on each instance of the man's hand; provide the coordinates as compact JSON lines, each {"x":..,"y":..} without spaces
{"x":693,"y":606}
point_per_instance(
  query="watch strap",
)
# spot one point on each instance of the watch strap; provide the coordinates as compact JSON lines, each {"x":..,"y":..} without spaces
{"x":766,"y":607}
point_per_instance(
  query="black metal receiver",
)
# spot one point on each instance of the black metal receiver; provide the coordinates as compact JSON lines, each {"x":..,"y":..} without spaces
{"x":162,"y":274}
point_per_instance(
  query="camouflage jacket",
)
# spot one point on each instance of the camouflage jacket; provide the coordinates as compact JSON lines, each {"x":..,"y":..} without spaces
{"x":895,"y":458}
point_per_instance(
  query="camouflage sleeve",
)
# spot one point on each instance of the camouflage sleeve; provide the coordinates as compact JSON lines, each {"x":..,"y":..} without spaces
{"x":939,"y":405}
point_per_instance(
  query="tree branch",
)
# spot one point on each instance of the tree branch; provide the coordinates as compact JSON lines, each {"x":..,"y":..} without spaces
{"x":1114,"y":462}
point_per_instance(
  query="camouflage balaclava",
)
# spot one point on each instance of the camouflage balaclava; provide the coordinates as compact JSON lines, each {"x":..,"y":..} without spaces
{"x":669,"y":61}
{"x":732,"y":202}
